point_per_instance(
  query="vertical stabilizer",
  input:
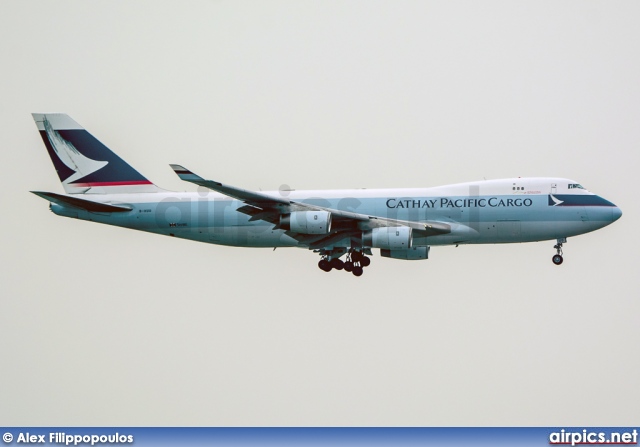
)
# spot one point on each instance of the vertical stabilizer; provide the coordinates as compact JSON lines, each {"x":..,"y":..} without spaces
{"x":84,"y":164}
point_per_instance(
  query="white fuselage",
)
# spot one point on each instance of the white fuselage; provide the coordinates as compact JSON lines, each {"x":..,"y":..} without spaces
{"x":483,"y":212}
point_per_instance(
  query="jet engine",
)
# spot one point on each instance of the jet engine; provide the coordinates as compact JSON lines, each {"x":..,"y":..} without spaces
{"x":411,"y":254}
{"x":307,"y":222}
{"x":389,"y":238}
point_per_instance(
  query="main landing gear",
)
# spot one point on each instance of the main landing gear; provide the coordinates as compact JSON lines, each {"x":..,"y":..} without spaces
{"x":557,"y":258}
{"x":355,"y":263}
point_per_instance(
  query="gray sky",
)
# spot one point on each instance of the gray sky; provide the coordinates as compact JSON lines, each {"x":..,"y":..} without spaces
{"x":106,"y":326}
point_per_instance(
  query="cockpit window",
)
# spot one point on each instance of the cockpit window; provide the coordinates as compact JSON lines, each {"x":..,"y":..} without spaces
{"x":575,"y":186}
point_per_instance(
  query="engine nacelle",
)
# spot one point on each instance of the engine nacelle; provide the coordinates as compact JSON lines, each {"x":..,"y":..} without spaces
{"x":389,"y":238}
{"x":412,"y":254}
{"x":307,"y":222}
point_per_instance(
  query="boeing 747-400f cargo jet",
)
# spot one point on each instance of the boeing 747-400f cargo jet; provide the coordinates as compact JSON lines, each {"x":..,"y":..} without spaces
{"x":402,"y":223}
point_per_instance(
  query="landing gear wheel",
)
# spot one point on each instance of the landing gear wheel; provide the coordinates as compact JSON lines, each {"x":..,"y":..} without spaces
{"x":357,"y":271}
{"x":365,"y":261}
{"x":324,"y":265}
{"x":557,"y":258}
{"x":336,"y":264}
{"x":348,"y":266}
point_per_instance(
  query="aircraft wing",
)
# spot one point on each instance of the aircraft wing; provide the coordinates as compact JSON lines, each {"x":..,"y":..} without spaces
{"x":266,"y":207}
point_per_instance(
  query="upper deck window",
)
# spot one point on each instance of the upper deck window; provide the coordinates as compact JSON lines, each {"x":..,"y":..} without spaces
{"x":575,"y":186}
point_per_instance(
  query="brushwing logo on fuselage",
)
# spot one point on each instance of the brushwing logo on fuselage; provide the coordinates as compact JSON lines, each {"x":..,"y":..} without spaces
{"x":70,"y":156}
{"x":553,"y":201}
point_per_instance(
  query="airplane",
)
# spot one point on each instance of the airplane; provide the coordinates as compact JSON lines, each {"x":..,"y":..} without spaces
{"x":402,"y":223}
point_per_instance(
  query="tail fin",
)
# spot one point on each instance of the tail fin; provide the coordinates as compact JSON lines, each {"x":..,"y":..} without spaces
{"x":83,"y":163}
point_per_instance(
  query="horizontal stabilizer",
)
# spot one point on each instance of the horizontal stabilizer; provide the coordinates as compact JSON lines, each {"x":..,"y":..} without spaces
{"x":83,"y":204}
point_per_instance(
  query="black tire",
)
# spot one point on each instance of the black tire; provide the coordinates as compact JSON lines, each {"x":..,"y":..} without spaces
{"x":348,"y":266}
{"x":557,"y":259}
{"x":337,"y":264}
{"x":324,"y":265}
{"x":365,"y":261}
{"x":356,"y":256}
{"x":357,"y":271}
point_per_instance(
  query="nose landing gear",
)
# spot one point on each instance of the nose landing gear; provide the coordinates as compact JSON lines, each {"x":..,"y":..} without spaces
{"x":557,"y":259}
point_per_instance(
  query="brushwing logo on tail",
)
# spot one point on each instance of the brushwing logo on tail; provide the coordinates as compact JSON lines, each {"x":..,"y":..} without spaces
{"x":70,"y":156}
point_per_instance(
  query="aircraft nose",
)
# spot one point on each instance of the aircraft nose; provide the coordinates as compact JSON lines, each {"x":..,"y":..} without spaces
{"x":616,"y":213}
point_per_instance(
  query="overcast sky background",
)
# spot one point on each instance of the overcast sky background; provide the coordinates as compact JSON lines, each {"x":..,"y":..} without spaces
{"x":107,"y":326}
